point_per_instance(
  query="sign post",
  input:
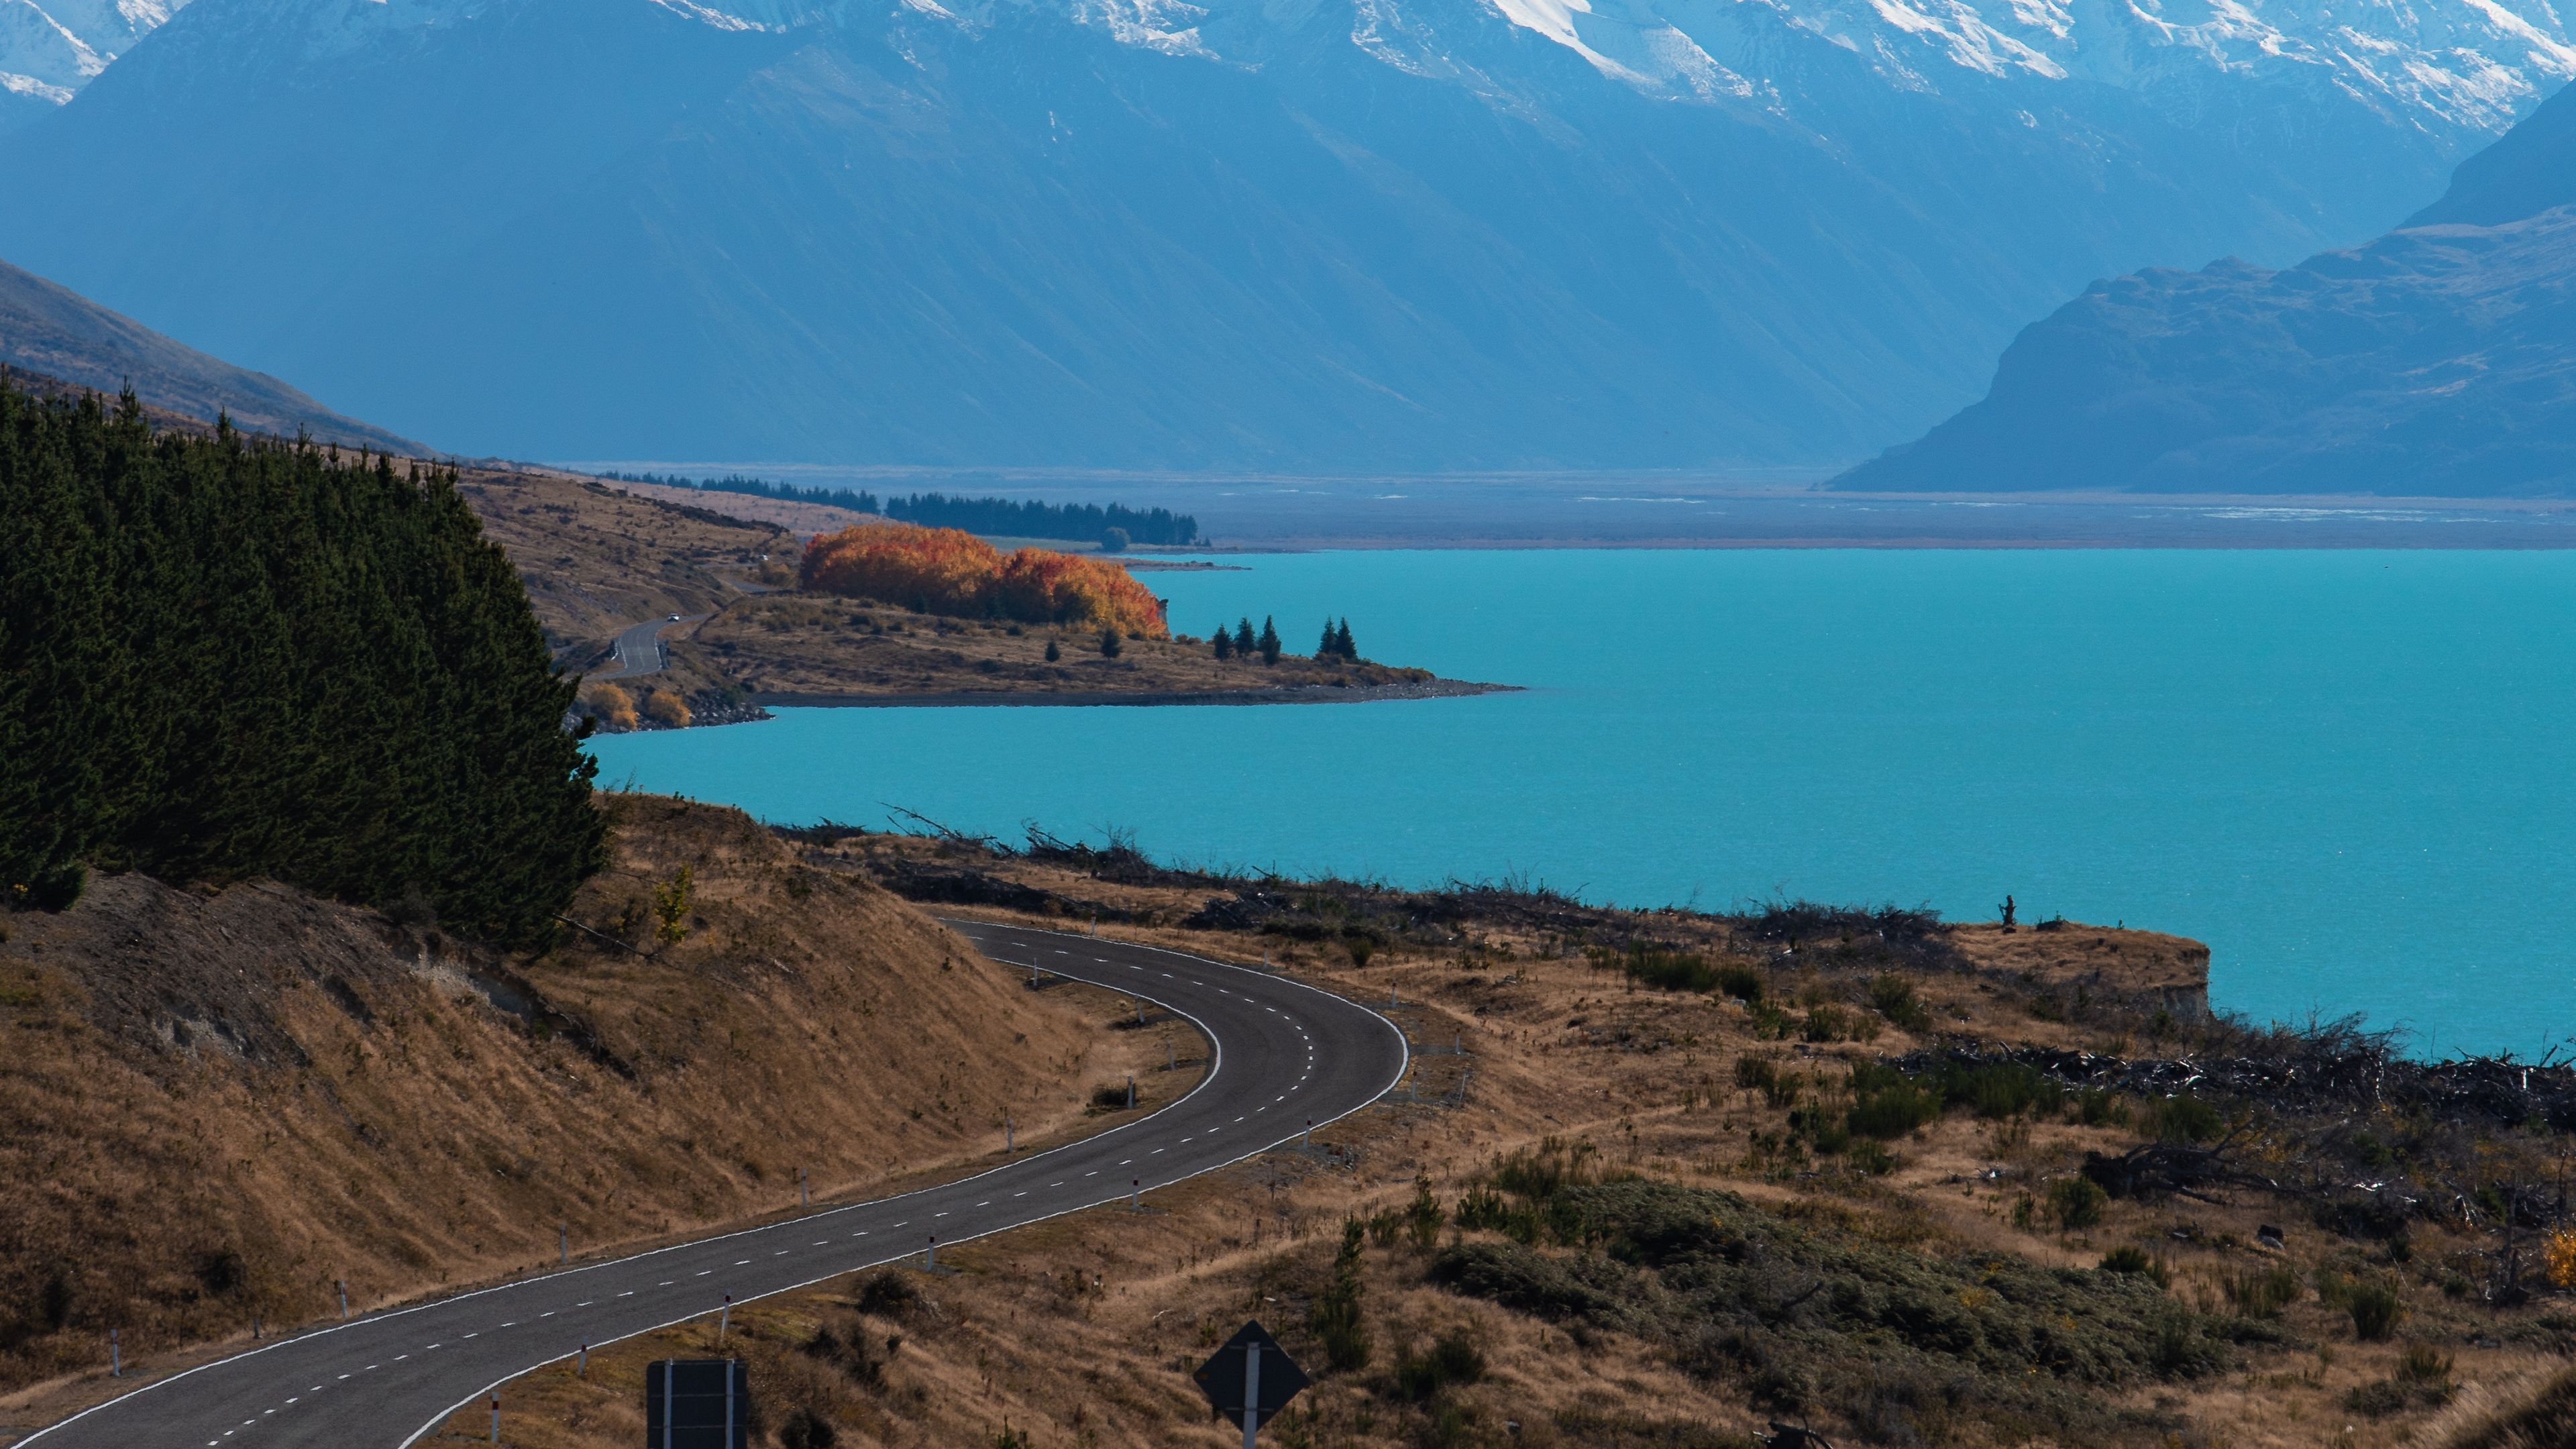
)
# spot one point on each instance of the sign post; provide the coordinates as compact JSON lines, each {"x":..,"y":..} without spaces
{"x":1250,"y":1379}
{"x":697,"y":1404}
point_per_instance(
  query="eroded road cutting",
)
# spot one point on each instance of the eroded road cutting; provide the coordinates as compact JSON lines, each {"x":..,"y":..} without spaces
{"x":1283,"y":1054}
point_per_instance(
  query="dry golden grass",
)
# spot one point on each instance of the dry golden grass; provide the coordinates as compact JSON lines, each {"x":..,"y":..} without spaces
{"x":814,"y":645}
{"x":220,"y":1103}
{"x":596,"y":559}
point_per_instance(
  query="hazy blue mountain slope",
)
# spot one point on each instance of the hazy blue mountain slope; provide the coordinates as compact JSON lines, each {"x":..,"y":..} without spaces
{"x":47,"y":330}
{"x":1309,"y":233}
{"x":2437,"y":360}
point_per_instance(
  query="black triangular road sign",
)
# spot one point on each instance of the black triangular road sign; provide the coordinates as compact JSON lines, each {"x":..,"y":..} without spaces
{"x":1221,"y":1378}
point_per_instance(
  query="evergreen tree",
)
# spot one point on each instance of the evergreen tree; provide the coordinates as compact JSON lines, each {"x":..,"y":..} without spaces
{"x":1223,"y":643}
{"x":1109,"y":645}
{"x":1243,"y":643}
{"x":1331,"y":648}
{"x":1343,"y":646}
{"x":222,"y":658}
{"x":1269,"y":644}
{"x":1053,"y":653}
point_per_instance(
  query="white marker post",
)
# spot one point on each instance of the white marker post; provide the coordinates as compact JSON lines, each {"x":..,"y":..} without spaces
{"x":804,"y":1189}
{"x":496,"y":1418}
{"x":1009,"y":1143}
{"x":115,"y":1356}
{"x":724,"y":1320}
{"x":1136,"y":1195}
{"x":583,"y":1368}
{"x":1131,"y":1091}
{"x":1251,"y":1392}
{"x":343,"y":1285}
{"x":563,"y":1244}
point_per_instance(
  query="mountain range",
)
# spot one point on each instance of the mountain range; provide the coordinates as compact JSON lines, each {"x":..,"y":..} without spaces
{"x":2437,"y":360}
{"x":1332,"y":235}
{"x":53,"y":338}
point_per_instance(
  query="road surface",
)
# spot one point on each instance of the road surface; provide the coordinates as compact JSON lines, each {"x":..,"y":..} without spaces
{"x":1283,"y":1053}
{"x":639,"y":648}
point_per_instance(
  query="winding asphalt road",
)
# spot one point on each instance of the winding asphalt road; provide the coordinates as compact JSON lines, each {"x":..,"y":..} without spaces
{"x":1283,"y":1054}
{"x":639,"y":648}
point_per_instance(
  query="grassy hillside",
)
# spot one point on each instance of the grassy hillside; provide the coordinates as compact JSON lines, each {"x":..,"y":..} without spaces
{"x":220,"y":1102}
{"x":1664,"y":1178}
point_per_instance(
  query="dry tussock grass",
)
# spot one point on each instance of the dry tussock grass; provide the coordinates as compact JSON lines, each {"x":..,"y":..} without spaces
{"x":220,"y":1103}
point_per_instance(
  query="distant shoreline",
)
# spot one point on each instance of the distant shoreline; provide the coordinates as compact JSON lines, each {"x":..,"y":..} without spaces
{"x":1002,"y":699}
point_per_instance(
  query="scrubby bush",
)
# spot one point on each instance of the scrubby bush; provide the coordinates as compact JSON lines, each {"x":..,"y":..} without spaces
{"x":1892,"y":996}
{"x":1887,"y":1105}
{"x":2262,"y":1292}
{"x":1335,"y":1317}
{"x":1453,"y":1359}
{"x":2375,"y":1310}
{"x":2135,"y":1262}
{"x":2185,"y":1119}
{"x":1812,"y":1320}
{"x":2076,"y":1202}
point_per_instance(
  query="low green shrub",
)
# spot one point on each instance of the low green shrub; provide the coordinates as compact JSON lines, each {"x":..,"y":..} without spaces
{"x":2262,"y":1292}
{"x":1811,"y":1319}
{"x":2375,"y":1310}
{"x":1893,"y":997}
{"x":1452,"y":1360}
{"x":2076,"y":1202}
{"x":2136,"y":1262}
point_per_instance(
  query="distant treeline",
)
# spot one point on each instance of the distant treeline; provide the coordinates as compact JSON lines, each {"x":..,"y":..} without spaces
{"x":222,"y":658}
{"x":993,"y":517}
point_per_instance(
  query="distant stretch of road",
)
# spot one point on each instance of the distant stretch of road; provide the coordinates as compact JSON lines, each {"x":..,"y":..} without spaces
{"x":639,"y":649}
{"x":1283,"y":1054}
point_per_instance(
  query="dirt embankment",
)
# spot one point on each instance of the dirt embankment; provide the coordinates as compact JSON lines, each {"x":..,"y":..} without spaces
{"x":220,"y":1103}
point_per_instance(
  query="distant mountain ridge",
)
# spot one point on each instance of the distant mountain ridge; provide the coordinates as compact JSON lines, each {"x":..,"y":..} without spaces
{"x":55,"y":333}
{"x":1324,"y":235}
{"x":2438,"y":360}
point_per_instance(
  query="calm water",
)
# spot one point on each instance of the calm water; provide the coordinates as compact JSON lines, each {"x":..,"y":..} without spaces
{"x":2348,"y":772}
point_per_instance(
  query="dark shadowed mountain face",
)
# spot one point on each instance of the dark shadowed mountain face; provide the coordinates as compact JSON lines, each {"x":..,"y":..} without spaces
{"x":61,"y":336}
{"x":1318,"y":234}
{"x":2439,"y":360}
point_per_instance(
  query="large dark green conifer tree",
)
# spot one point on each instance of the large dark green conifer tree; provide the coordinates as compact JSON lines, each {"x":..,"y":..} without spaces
{"x":222,"y":657}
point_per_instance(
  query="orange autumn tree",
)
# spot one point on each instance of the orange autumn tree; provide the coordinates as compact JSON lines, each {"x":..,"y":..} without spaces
{"x":949,"y":571}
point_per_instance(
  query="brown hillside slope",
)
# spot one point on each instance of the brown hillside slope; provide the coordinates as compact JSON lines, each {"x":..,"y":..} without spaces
{"x":221,"y":1102}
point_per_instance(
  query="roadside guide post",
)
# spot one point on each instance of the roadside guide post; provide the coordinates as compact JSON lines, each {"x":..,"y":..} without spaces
{"x":1250,"y":1379}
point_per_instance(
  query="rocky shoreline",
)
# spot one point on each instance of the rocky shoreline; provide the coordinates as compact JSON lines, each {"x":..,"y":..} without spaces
{"x":963,"y":699}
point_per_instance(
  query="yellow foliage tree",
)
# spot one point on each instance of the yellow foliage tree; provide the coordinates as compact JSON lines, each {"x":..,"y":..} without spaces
{"x":613,"y":707}
{"x":2558,"y":1258}
{"x":666,"y":707}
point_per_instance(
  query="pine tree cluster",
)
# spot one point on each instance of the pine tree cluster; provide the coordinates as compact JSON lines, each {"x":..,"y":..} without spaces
{"x":1244,"y":643}
{"x":1337,"y":643}
{"x":224,"y":658}
{"x":991,"y":517}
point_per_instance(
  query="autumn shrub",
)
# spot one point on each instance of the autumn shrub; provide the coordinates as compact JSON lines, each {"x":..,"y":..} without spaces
{"x":946,"y":571}
{"x":2558,"y":1258}
{"x":664,"y":706}
{"x":613,"y":707}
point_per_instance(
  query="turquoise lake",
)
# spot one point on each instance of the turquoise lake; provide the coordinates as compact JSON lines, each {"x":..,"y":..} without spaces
{"x":2348,"y":772}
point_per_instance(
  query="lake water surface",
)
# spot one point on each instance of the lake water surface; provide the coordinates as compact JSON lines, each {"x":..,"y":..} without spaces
{"x":2348,"y":772}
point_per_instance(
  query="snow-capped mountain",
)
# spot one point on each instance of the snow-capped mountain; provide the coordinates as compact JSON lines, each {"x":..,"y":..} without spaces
{"x":1281,"y":233}
{"x":49,"y":49}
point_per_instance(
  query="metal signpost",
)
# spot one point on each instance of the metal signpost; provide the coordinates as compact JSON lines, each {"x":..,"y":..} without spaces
{"x":1250,"y":1379}
{"x":697,"y":1403}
